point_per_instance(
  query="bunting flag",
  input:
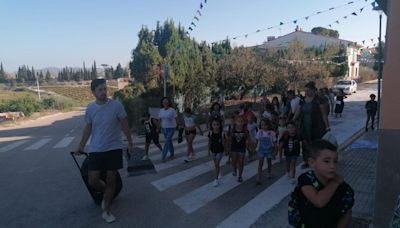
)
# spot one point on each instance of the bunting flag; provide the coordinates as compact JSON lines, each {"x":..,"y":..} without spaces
{"x":295,"y":21}
{"x":363,"y":41}
{"x":373,"y":4}
{"x":196,"y":17}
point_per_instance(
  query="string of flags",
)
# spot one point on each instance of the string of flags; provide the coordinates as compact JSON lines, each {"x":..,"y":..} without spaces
{"x":196,"y":17}
{"x":306,"y":18}
{"x":355,"y":13}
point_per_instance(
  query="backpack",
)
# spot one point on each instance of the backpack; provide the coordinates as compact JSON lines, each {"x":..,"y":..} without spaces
{"x":294,"y":215}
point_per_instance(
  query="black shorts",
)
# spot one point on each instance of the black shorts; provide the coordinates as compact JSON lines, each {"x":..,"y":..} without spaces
{"x":109,"y":160}
{"x":190,"y":132}
{"x":150,"y":137}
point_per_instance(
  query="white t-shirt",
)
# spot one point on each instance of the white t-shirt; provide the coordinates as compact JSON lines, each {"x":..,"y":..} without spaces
{"x":189,"y":121}
{"x":295,"y":104}
{"x":167,"y":117}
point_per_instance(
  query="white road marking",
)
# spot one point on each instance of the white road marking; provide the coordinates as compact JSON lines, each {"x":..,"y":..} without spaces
{"x":38,"y":144}
{"x":12,"y":146}
{"x":251,"y":211}
{"x":64,"y":142}
{"x":188,"y":174}
{"x":196,"y":199}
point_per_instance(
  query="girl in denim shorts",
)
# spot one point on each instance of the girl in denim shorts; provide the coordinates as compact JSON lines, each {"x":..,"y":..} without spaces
{"x":266,"y":147}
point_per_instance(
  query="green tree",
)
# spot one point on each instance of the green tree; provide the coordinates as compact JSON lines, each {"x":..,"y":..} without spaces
{"x":3,"y":77}
{"x":48,"y":76}
{"x":325,"y":32}
{"x":119,"y":72}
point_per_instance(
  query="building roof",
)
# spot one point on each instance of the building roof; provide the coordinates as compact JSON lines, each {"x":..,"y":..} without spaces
{"x":309,"y":39}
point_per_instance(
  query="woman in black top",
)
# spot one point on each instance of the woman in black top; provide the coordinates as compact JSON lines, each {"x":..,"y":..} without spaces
{"x":239,"y":135}
{"x":339,"y":103}
{"x":216,"y":146}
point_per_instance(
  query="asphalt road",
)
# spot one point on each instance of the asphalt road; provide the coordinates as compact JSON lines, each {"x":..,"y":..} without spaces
{"x":41,"y":186}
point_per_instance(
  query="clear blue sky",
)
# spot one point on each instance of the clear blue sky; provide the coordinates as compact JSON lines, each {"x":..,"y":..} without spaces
{"x":44,"y":33}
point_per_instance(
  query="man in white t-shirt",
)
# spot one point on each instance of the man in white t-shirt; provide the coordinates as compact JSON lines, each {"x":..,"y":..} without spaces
{"x":294,"y":103}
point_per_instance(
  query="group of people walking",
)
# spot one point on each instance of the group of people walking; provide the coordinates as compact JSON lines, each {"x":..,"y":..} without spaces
{"x":285,"y":128}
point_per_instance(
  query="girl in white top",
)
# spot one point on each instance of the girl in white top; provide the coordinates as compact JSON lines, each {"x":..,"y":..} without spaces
{"x":190,"y":132}
{"x":167,"y":116}
{"x":251,"y":142}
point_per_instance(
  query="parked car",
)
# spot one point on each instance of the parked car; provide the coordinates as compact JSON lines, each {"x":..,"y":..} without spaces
{"x":348,"y":86}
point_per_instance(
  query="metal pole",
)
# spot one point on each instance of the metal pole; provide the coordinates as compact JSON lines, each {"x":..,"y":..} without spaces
{"x":379,"y":70}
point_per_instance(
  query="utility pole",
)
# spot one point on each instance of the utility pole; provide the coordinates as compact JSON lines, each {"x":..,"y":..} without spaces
{"x":37,"y":84}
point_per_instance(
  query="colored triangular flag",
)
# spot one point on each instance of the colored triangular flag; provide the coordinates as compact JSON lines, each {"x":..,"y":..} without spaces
{"x":337,"y":21}
{"x":330,"y":25}
{"x":281,"y":23}
{"x":363,"y":41}
{"x":258,"y":30}
{"x":350,"y":3}
{"x":372,"y":40}
{"x":269,"y":27}
{"x":307,"y":17}
{"x":295,"y":21}
{"x":193,"y":24}
{"x":319,"y":12}
{"x":190,"y":28}
{"x":201,"y":5}
{"x":331,"y":8}
{"x":234,"y":38}
{"x":373,"y":4}
{"x":354,"y":13}
{"x":196,"y":18}
{"x":246,"y":35}
{"x":361,"y":9}
{"x":198,"y":11}
{"x":205,"y":1}
{"x":345,"y":17}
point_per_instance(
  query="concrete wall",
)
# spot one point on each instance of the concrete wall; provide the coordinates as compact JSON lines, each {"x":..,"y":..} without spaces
{"x":388,"y":170}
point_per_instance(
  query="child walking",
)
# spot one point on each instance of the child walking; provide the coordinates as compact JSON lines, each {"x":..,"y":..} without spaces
{"x":290,"y":145}
{"x":251,"y":142}
{"x":190,"y":133}
{"x":216,"y":146}
{"x":150,"y":127}
{"x":239,"y":136}
{"x":281,"y":130}
{"x":266,"y":147}
{"x":371,"y":106}
{"x":321,"y":197}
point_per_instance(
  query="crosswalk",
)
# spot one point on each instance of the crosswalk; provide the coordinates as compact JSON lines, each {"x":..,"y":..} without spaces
{"x":37,"y":143}
{"x":201,"y":195}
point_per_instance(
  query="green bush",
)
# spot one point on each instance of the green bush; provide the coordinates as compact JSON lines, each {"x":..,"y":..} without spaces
{"x":58,"y":103}
{"x":27,"y":105}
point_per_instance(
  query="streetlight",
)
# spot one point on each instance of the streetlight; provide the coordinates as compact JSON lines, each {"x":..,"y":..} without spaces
{"x":105,"y":66}
{"x":380,"y":11}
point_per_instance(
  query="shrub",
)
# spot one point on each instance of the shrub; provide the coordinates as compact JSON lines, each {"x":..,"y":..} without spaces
{"x":27,"y":105}
{"x":57,"y":102}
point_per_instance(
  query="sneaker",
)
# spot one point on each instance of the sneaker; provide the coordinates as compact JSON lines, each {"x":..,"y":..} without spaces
{"x":240,"y":179}
{"x":234,"y":173}
{"x":145,"y":158}
{"x":108,"y":217}
{"x":216,"y":183}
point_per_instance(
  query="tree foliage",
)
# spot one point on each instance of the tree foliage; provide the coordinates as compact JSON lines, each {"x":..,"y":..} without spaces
{"x":325,"y":32}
